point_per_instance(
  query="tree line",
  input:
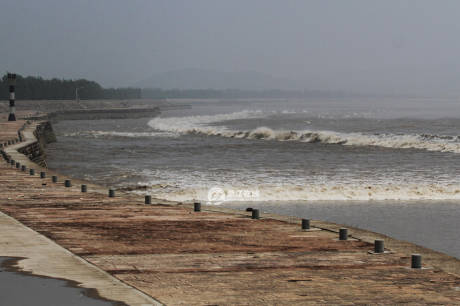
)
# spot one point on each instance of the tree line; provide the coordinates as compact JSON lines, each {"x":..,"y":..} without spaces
{"x":37,"y":88}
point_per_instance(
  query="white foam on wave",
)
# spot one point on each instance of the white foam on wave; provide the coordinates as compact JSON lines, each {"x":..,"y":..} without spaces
{"x":323,"y":192}
{"x":178,"y":185}
{"x":200,"y":125}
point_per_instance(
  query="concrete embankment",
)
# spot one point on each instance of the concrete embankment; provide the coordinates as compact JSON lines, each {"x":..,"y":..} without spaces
{"x":112,"y":113}
{"x":177,"y":255}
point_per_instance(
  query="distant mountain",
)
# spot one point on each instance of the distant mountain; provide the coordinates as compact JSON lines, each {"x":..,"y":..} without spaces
{"x":208,"y":79}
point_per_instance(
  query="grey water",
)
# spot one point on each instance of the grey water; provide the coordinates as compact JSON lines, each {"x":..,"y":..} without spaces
{"x":23,"y":289}
{"x":388,"y":165}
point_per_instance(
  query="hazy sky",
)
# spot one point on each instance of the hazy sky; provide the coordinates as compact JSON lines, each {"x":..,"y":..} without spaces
{"x":368,"y":46}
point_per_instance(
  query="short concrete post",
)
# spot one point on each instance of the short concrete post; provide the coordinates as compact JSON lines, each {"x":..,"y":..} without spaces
{"x":148,"y":199}
{"x":416,"y":262}
{"x":23,"y":168}
{"x":54,"y":179}
{"x":305,"y":224}
{"x":197,"y":206}
{"x":42,"y":174}
{"x":67,"y":183}
{"x":84,"y":188}
{"x":379,"y":246}
{"x":32,"y":171}
{"x":111,"y":193}
{"x":343,"y":234}
{"x":255,"y":214}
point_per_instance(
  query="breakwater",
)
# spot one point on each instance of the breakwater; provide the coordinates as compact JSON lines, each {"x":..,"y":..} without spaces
{"x":105,"y":113}
{"x":180,"y":253}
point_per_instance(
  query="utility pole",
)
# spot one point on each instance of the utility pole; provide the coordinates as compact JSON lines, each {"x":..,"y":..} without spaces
{"x":12,"y":84}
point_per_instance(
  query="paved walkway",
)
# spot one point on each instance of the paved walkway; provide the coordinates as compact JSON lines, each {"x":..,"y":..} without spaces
{"x":216,"y":256}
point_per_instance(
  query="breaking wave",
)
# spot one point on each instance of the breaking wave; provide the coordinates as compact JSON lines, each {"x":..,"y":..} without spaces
{"x":200,"y":125}
{"x":320,"y":192}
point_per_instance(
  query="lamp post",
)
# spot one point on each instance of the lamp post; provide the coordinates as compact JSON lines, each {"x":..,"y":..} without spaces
{"x":12,"y":84}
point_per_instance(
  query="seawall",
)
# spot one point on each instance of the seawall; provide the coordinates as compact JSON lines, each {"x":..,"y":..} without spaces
{"x":178,"y":255}
{"x":106,"y":113}
{"x":35,"y":150}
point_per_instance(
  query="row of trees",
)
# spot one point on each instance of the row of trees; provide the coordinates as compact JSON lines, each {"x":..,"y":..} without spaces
{"x":37,"y":88}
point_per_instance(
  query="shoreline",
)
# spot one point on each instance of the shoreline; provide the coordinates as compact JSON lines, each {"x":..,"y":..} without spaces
{"x":430,"y":258}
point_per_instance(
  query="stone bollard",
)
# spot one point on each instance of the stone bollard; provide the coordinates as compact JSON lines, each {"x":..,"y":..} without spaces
{"x":197,"y":206}
{"x":416,"y":262}
{"x":23,"y":168}
{"x":148,"y":199}
{"x":54,"y":179}
{"x":42,"y":174}
{"x":305,"y":224}
{"x":379,"y":246}
{"x":111,"y":193}
{"x":84,"y":188}
{"x":255,"y":214}
{"x":343,"y":234}
{"x":32,"y":171}
{"x":67,"y":183}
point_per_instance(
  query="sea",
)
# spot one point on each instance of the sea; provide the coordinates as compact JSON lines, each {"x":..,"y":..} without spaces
{"x":389,"y":165}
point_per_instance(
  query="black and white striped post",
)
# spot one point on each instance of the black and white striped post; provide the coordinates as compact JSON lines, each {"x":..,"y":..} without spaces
{"x":12,"y":84}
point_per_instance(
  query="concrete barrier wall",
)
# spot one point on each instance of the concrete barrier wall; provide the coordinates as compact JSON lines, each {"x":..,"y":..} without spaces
{"x":35,"y":150}
{"x":95,"y":114}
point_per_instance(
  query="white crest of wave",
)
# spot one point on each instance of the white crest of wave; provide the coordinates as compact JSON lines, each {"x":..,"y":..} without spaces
{"x":323,"y":192}
{"x":198,"y":125}
{"x":433,"y":143}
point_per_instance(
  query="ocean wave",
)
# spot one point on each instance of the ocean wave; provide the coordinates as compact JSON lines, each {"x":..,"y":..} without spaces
{"x":200,"y":125}
{"x":322,"y":192}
